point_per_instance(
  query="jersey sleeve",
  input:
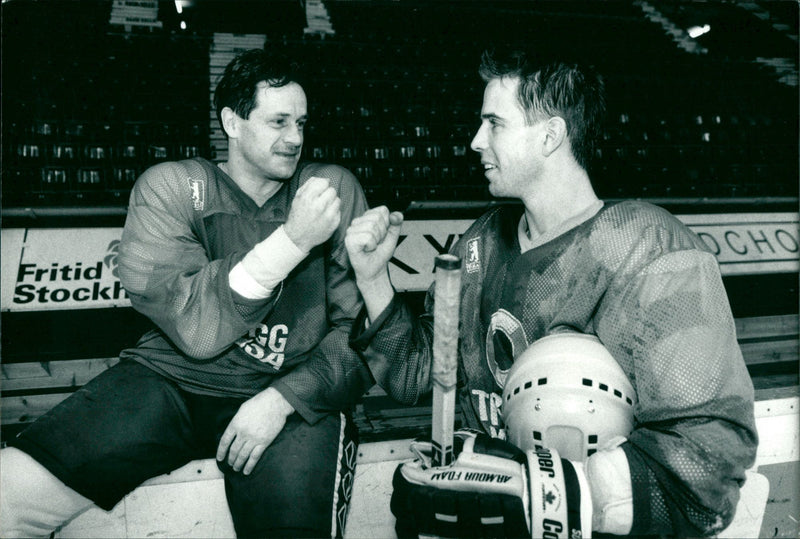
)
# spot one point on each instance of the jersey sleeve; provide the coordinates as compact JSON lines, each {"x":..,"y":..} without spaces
{"x":167,"y":272}
{"x":671,"y":326}
{"x":334,"y":377}
{"x":398,"y":348}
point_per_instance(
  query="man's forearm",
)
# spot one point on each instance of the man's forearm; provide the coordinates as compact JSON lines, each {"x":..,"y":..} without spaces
{"x":377,"y":293}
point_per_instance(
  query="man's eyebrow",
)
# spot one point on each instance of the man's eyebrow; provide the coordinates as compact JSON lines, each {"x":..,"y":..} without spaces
{"x":286,"y":115}
{"x":490,"y":116}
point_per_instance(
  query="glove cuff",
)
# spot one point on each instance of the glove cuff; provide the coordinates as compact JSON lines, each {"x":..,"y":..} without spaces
{"x":561,"y":505}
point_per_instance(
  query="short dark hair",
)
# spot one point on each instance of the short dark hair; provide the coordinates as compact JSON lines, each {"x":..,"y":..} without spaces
{"x":237,"y":86}
{"x":571,"y":91}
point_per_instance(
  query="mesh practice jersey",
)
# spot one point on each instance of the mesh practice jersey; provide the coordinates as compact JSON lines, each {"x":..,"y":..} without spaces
{"x":647,"y":286}
{"x":188,"y":224}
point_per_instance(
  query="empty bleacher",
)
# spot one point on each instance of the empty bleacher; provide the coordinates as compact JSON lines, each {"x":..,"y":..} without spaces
{"x":395,"y":95}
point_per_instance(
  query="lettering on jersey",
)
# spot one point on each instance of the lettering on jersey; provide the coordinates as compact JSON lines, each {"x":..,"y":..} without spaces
{"x":266,"y":344}
{"x":473,"y":263}
{"x":505,"y":338}
{"x":488,"y":407}
{"x":198,"y":193}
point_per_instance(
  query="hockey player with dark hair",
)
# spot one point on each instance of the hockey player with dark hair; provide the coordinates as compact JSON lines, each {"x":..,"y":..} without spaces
{"x":629,"y":277}
{"x":243,"y":269}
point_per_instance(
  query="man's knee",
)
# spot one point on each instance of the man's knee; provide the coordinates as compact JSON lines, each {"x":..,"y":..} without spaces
{"x":34,"y":502}
{"x":314,"y":466}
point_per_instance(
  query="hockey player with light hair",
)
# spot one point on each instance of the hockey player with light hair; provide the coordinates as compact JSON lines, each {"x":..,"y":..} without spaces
{"x":629,"y":277}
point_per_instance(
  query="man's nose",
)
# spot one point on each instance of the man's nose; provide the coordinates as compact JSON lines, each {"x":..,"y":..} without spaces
{"x":293,"y":135}
{"x":479,"y":140}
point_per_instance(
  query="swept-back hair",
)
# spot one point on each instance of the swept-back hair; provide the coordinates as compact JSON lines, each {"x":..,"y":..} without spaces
{"x":571,"y":91}
{"x":237,"y":86}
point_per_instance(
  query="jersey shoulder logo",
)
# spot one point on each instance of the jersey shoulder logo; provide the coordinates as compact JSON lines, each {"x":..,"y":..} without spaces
{"x":198,"y":193}
{"x":473,"y":263}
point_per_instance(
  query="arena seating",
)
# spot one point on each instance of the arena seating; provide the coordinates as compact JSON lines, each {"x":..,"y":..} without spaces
{"x":395,"y":97}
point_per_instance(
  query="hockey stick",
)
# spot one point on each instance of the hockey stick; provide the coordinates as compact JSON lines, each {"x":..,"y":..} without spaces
{"x":445,"y":352}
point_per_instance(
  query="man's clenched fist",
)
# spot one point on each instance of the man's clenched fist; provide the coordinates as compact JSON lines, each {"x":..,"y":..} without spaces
{"x":315,"y":214}
{"x":371,"y":240}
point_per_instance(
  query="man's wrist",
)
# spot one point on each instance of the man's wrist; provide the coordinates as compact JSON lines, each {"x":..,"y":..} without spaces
{"x":374,"y":284}
{"x":282,"y":405}
{"x":295,"y":239}
{"x":377,"y":293}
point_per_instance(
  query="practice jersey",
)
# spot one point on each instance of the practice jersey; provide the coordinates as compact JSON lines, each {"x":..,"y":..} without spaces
{"x":649,"y":289}
{"x":188,"y":224}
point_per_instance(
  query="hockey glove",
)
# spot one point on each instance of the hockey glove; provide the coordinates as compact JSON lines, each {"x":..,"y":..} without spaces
{"x":492,"y":489}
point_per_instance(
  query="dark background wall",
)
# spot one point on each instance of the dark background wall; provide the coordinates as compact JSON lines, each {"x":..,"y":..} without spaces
{"x":87,"y":105}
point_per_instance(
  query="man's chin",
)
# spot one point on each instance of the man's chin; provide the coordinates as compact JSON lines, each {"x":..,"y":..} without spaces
{"x":284,"y":174}
{"x":495,"y":191}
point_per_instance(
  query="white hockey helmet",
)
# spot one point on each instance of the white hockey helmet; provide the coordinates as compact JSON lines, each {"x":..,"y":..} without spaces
{"x":566,"y":392}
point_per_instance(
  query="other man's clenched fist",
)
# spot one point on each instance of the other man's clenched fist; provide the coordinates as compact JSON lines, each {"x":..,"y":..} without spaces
{"x":371,"y":240}
{"x":315,"y":214}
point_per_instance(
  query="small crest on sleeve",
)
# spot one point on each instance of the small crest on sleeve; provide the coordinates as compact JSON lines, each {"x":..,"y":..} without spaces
{"x":198,"y":194}
{"x":473,"y":263}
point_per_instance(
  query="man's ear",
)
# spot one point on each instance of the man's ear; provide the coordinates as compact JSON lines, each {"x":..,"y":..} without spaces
{"x":230,"y":122}
{"x":555,"y":134}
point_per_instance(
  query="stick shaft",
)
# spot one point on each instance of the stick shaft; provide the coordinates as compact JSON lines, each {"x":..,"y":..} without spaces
{"x":445,"y":356}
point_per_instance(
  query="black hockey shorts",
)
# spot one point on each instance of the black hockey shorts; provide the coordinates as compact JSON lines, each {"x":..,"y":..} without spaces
{"x":130,"y":424}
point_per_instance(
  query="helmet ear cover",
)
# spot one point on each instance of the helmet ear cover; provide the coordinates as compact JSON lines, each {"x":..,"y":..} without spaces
{"x":568,"y":393}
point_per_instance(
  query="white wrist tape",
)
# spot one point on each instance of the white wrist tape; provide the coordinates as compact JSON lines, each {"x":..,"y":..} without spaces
{"x":265,"y":266}
{"x":561,"y":505}
{"x":243,"y":283}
